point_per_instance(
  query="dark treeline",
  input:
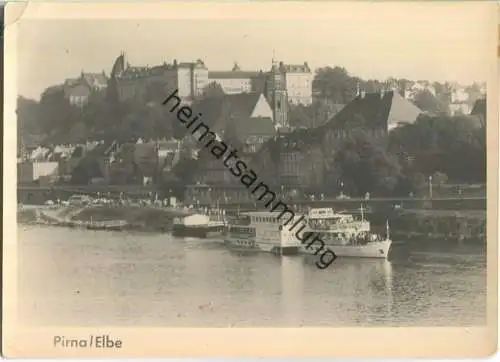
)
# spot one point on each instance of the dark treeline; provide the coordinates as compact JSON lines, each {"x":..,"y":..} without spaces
{"x":449,"y":149}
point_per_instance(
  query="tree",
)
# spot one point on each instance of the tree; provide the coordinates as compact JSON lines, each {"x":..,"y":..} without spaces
{"x":366,"y":167}
{"x":27,"y":120}
{"x":439,"y":178}
{"x":155,"y":91}
{"x":335,"y":84}
{"x":56,"y":114}
{"x":453,"y":146}
{"x":186,"y":169}
{"x":426,"y":101}
{"x":300,"y":116}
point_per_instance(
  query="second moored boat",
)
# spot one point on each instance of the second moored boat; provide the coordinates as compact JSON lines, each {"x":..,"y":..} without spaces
{"x":201,"y":224}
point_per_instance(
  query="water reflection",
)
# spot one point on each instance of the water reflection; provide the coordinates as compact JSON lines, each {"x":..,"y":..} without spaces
{"x":77,"y":277}
{"x":292,"y":284}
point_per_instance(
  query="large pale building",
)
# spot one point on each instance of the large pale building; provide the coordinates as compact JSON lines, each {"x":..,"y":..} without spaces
{"x":298,"y":82}
{"x":295,"y":80}
{"x":283,"y":84}
{"x":190,"y":78}
{"x":236,"y":80}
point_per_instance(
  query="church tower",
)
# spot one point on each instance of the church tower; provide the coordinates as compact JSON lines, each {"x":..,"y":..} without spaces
{"x":277,"y":94}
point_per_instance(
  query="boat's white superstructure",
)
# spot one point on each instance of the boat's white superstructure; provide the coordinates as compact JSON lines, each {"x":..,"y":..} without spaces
{"x":199,"y":224}
{"x":346,"y":236}
{"x":260,"y":231}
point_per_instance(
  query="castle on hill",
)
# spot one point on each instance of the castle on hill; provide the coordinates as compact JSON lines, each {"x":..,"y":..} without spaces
{"x":282,"y":84}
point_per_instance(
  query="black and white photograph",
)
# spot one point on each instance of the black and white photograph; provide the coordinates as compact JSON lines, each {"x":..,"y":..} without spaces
{"x":288,"y":165}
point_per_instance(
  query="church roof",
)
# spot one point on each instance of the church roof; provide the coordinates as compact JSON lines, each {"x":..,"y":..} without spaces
{"x":119,"y":65}
{"x":231,"y":115}
{"x":379,"y":110}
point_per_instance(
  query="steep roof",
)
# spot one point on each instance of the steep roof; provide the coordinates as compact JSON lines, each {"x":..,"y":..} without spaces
{"x":102,"y":149}
{"x":379,"y":110}
{"x":96,"y":79}
{"x":402,"y":111}
{"x":231,"y":115}
{"x":257,"y":126}
{"x":479,"y":108}
{"x":119,"y":65}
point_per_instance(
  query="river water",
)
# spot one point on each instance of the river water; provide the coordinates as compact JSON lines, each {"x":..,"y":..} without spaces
{"x":79,"y":277}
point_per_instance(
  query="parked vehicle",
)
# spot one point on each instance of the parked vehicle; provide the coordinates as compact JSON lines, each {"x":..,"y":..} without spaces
{"x":79,"y":200}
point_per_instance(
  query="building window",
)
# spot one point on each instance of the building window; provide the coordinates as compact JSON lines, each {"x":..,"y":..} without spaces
{"x":279,"y":105}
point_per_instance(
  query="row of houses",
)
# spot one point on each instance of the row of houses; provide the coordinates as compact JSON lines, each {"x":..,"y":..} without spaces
{"x":104,"y":162}
{"x":295,"y":159}
{"x":284,"y":158}
{"x":302,"y":159}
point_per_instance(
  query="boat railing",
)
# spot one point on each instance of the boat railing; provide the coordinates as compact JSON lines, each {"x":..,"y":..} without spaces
{"x":239,"y":221}
{"x":339,"y":225}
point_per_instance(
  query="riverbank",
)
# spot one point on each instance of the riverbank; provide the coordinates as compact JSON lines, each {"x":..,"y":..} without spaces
{"x":102,"y":217}
{"x":464,"y":226}
{"x":422,"y":226}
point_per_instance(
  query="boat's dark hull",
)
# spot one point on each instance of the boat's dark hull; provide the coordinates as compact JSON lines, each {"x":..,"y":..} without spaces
{"x":197,"y":231}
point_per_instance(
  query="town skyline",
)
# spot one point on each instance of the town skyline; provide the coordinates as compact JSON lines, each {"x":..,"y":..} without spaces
{"x":455,"y":52}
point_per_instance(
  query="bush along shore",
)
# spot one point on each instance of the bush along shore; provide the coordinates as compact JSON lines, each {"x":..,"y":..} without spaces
{"x":102,"y":217}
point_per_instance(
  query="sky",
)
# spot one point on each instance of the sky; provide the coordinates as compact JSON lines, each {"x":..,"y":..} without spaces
{"x":445,"y":42}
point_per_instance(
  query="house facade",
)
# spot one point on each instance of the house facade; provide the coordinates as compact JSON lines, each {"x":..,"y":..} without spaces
{"x":303,"y":158}
{"x":30,"y":171}
{"x":78,"y":90}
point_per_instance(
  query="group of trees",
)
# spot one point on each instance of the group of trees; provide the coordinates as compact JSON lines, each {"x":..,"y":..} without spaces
{"x":102,"y":117}
{"x":445,"y":148}
{"x":338,"y":86}
{"x":58,"y":121}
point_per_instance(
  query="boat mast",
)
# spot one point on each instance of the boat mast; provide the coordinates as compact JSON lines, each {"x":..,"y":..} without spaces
{"x":387,"y":229}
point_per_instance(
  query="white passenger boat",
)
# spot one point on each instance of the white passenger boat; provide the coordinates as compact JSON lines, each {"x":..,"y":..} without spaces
{"x":260,"y":231}
{"x":344,"y":235}
{"x":202,"y":224}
